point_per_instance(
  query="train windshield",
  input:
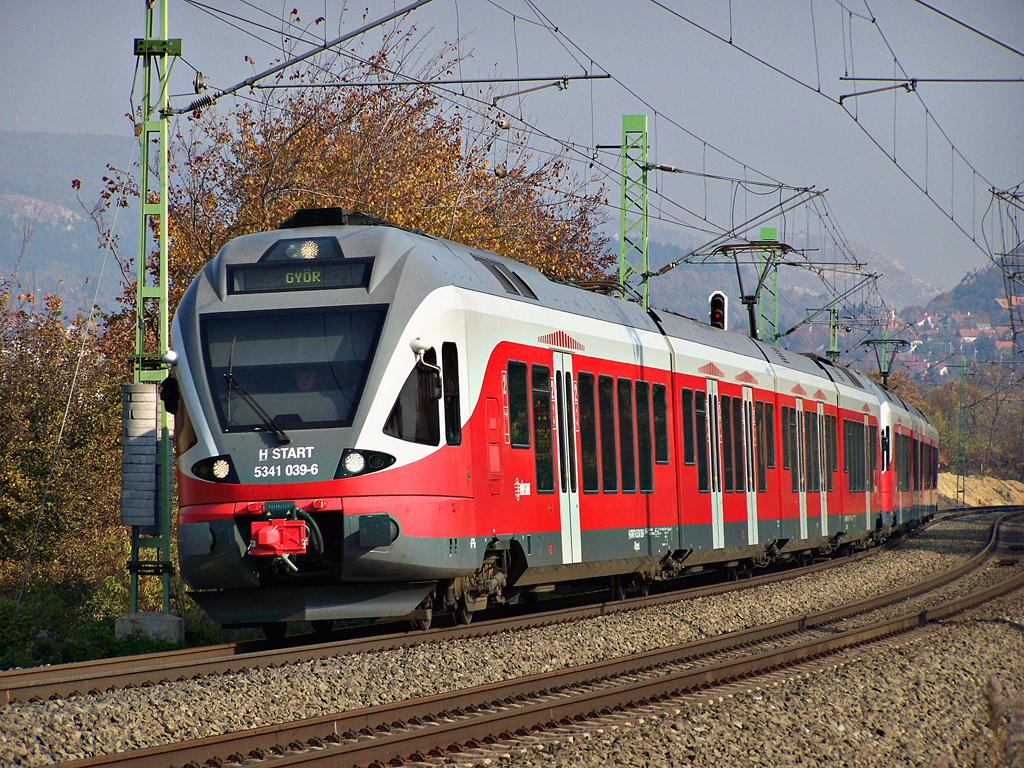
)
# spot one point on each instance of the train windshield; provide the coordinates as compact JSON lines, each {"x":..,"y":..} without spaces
{"x":302,"y":369}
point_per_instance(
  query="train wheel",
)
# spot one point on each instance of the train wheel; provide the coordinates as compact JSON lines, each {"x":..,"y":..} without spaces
{"x":463,"y":611}
{"x":274,"y":630}
{"x":618,"y":588}
{"x":423,"y":624}
{"x":645,"y":587}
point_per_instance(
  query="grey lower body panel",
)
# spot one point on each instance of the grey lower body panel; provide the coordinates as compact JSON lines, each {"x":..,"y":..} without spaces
{"x":250,"y":607}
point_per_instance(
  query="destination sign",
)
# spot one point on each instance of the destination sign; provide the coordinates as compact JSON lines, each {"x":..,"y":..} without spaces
{"x":317,"y":275}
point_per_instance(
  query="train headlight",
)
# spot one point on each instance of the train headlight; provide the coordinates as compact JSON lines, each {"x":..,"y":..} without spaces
{"x":359,"y":462}
{"x":354,"y":462}
{"x":216,"y":469}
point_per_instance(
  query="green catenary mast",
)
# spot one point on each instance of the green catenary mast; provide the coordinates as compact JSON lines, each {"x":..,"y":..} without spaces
{"x":151,"y":349}
{"x":633,"y":229}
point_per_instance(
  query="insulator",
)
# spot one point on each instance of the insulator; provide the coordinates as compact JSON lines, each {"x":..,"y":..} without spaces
{"x":200,"y":103}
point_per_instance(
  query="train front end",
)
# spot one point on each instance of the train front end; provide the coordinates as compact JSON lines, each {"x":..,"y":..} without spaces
{"x":283,"y":341}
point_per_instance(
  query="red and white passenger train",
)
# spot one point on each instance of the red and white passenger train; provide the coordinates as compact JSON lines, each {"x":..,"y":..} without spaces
{"x":374,"y":422}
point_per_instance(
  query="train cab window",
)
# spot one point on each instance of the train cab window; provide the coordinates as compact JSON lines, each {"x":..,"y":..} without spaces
{"x":543,"y":443}
{"x":627,"y":447}
{"x":588,"y":432}
{"x":452,"y":406}
{"x":518,"y":405}
{"x":415,"y":416}
{"x":700,"y":424}
{"x":606,"y":410}
{"x":726,"y":444}
{"x":687,"y":418}
{"x":660,"y":405}
{"x":643,"y":437}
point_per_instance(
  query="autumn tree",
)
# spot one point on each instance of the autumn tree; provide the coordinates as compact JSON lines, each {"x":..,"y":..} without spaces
{"x":397,"y":152}
{"x":59,"y":452}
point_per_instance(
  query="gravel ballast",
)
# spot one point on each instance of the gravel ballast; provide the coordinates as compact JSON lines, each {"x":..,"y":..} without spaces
{"x":46,"y":732}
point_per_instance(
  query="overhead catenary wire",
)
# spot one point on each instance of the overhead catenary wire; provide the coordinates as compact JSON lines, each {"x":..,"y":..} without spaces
{"x":612,"y":172}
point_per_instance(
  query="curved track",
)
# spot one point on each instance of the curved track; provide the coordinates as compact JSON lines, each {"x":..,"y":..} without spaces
{"x":437,"y":724}
{"x":64,"y":680}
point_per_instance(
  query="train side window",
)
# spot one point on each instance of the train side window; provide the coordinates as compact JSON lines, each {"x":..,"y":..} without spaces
{"x":687,"y":418}
{"x":588,"y":432}
{"x":794,"y":450}
{"x":769,"y":427}
{"x":873,"y":461}
{"x":762,"y":446}
{"x":700,"y":412}
{"x":415,"y":416}
{"x":452,"y":406}
{"x":606,"y":410}
{"x":726,"y":443}
{"x":659,"y":399}
{"x":835,"y":444}
{"x":518,"y":405}
{"x":737,"y":444}
{"x":643,"y":437}
{"x":627,"y":448}
{"x":560,"y":416}
{"x":544,"y":455}
{"x":829,"y":436}
{"x":784,"y":415}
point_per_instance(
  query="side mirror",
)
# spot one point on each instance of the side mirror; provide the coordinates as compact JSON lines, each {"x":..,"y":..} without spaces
{"x":170,"y":395}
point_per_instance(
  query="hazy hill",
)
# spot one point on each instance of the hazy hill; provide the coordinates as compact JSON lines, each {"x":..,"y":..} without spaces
{"x":37,"y":203}
{"x":975,"y":294}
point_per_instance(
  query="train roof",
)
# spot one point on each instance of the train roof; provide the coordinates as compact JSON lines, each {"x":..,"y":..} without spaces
{"x":427,"y":262}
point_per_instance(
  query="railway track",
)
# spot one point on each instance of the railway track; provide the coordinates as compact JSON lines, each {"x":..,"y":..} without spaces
{"x":59,"y":681}
{"x":416,"y":728}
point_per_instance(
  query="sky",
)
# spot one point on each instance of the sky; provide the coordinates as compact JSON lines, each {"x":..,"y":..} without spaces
{"x":739,"y":90}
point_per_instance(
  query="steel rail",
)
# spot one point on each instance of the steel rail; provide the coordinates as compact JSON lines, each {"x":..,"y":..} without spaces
{"x":98,"y":675}
{"x":505,"y":713}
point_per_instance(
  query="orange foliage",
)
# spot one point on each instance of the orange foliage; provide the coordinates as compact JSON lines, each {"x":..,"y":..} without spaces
{"x":394,"y":152}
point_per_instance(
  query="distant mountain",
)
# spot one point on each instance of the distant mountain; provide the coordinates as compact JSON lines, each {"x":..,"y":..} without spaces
{"x":47,"y":243}
{"x":685,"y":288}
{"x":974,"y":295}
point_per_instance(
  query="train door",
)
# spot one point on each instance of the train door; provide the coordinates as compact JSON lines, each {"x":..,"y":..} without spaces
{"x":798,"y":433}
{"x":869,"y":472}
{"x":566,"y":419}
{"x":750,"y":451}
{"x":715,"y":452}
{"x":823,"y":468}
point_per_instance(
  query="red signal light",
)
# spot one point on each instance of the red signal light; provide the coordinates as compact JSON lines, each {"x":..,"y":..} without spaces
{"x":718,"y":316}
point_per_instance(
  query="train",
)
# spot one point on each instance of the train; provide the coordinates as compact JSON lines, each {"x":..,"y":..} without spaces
{"x":374,"y":423}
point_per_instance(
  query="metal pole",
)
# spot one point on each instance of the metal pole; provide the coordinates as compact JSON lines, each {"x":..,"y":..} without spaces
{"x":151,"y":294}
{"x":633,"y":221}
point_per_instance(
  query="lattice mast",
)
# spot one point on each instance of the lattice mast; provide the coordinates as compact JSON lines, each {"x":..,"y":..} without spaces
{"x":151,"y":295}
{"x":633,"y":220}
{"x":768,"y":301}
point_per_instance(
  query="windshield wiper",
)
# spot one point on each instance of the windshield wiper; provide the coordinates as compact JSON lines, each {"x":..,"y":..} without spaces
{"x":264,"y":417}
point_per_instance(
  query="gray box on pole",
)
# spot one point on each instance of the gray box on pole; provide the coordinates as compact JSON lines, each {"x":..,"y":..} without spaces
{"x":140,"y":408}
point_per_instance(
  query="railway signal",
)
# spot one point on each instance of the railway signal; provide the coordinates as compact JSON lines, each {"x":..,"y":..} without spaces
{"x":718,"y":314}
